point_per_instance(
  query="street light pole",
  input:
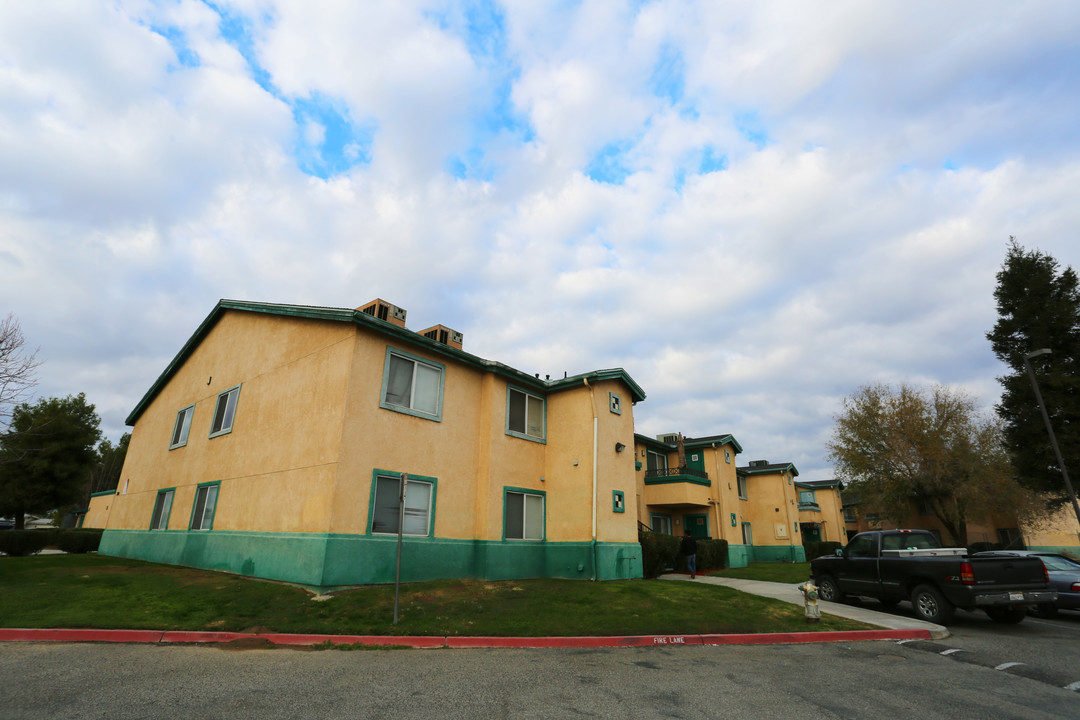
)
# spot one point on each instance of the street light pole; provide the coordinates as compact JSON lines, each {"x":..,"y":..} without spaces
{"x":1050,"y":428}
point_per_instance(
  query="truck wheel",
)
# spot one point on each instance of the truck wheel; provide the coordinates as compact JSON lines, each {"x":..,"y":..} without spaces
{"x":930,"y":605}
{"x":828,"y":590}
{"x":1007,"y":615}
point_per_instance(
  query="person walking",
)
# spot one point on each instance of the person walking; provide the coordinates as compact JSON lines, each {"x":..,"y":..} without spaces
{"x":689,"y":549}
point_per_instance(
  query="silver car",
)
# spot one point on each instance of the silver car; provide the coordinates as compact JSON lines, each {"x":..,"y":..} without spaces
{"x":1064,"y":574}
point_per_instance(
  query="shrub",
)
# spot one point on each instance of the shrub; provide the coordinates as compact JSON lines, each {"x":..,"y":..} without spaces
{"x":24,"y":542}
{"x":658,"y":553}
{"x":79,"y":541}
{"x":711,"y":554}
{"x":815,"y":549}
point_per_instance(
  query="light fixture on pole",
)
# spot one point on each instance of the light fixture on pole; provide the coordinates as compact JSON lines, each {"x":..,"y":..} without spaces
{"x":1049,"y":428}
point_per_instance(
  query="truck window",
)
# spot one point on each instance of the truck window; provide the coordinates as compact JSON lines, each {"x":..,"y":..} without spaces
{"x":861,"y":547}
{"x":909,"y":541}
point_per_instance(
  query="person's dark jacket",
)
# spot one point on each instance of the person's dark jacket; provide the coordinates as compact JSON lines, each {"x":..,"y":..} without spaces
{"x":689,"y":545}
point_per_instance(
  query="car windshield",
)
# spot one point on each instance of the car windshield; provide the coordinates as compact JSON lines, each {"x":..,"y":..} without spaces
{"x":1056,"y":562}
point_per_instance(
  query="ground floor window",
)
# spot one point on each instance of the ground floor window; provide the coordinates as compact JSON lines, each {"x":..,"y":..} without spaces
{"x":162,"y":508}
{"x":202,"y":513}
{"x":747,"y":535}
{"x":386,"y":505}
{"x":524,"y":515}
{"x":660,"y":524}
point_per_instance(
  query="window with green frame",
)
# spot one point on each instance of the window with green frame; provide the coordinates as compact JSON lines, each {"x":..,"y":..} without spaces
{"x":162,"y":507}
{"x":525,"y":413}
{"x":412,"y":385}
{"x":225,"y":411}
{"x":386,"y":505}
{"x":182,"y":427}
{"x":202,"y":510}
{"x":523,"y":514}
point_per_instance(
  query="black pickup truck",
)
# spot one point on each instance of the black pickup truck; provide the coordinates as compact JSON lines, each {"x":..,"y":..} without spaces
{"x":896,"y":565}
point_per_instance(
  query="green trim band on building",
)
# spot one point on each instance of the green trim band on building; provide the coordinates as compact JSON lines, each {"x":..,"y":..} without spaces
{"x":327,"y":560}
{"x":103,"y":493}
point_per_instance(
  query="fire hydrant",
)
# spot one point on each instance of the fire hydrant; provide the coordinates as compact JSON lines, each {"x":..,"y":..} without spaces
{"x":810,"y":601}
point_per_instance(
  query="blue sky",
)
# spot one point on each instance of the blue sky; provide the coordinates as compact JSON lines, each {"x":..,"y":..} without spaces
{"x":752,"y":208}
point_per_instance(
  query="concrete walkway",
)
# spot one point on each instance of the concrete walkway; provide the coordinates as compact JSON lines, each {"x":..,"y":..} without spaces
{"x":791,"y":594}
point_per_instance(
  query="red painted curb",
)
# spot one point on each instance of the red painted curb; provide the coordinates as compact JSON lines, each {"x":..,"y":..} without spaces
{"x":420,"y":641}
{"x":549,"y":642}
{"x":62,"y":635}
{"x":810,"y":637}
{"x":298,"y":639}
{"x":199,"y":636}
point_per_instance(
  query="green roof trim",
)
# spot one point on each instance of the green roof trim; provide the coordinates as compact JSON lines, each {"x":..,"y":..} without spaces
{"x":690,"y":443}
{"x":814,"y":484}
{"x":355,"y":317}
{"x":769,"y":469}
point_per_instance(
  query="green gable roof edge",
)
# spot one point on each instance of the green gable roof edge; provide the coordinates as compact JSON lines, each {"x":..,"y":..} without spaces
{"x":355,"y":317}
{"x":725,"y":440}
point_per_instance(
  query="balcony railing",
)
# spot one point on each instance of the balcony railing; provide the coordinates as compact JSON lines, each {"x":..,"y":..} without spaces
{"x":676,"y":474}
{"x":809,"y":506}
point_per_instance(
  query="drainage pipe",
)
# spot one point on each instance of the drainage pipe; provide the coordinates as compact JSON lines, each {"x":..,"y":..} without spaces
{"x":595,"y":457}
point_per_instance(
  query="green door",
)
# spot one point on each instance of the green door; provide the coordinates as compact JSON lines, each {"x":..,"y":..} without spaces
{"x":698,"y":525}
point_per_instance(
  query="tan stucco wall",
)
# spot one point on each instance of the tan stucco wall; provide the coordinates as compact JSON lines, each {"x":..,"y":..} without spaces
{"x":830,"y":515}
{"x":97,"y":513}
{"x":717,"y":500}
{"x":278,"y":463}
{"x":770,"y":502}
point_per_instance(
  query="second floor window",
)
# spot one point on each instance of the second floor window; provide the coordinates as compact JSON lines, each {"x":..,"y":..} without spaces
{"x":182,"y":427}
{"x":225,"y":412}
{"x":524,"y":414}
{"x":412,"y":385}
{"x":741,"y":481}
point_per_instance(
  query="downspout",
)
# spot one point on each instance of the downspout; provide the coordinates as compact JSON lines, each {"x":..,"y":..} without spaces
{"x":595,"y":457}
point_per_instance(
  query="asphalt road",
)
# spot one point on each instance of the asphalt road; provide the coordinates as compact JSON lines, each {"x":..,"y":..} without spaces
{"x":1036,"y":647}
{"x":877,"y":679}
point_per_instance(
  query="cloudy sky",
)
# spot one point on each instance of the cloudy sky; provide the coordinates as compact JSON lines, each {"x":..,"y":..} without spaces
{"x":753,"y":208}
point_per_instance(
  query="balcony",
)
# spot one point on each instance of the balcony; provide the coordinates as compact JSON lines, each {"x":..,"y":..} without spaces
{"x":811,"y":506}
{"x":660,"y":476}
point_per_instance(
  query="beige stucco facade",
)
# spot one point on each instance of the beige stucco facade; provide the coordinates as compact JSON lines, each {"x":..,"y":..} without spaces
{"x":315,"y":424}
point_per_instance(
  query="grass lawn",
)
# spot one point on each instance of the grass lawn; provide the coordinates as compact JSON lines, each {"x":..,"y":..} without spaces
{"x":793,"y":573}
{"x":95,"y":591}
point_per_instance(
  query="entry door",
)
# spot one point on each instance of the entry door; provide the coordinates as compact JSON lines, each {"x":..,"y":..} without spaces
{"x":698,"y":525}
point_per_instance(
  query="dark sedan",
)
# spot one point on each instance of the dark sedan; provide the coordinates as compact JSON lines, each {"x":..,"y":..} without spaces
{"x":1064,"y":573}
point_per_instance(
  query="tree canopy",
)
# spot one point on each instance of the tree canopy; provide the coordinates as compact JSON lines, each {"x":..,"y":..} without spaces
{"x":47,"y":455}
{"x":1038,"y":306}
{"x":904,"y":449}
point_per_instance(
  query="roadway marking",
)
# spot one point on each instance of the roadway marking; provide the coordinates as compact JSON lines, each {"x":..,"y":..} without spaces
{"x":1075,"y":687}
{"x":901,"y":642}
{"x":950,"y":651}
{"x":1006,"y":666}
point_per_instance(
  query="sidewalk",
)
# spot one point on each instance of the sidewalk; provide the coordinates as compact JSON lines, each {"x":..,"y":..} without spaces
{"x":791,"y":594}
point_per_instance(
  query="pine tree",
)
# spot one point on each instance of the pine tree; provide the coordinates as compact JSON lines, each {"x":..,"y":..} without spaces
{"x":1039,"y":307}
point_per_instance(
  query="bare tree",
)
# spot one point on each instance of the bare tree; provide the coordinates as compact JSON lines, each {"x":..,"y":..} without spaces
{"x":17,"y":367}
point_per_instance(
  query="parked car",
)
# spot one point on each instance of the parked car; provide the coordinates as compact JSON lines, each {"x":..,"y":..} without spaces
{"x":1064,"y":574}
{"x":896,"y":565}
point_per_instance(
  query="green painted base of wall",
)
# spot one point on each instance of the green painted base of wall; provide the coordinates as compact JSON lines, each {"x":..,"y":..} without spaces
{"x":326,"y":560}
{"x":739,"y":556}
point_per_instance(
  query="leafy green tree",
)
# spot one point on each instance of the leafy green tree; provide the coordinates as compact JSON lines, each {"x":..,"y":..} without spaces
{"x":47,"y":455}
{"x":903,"y":448}
{"x":1038,"y":306}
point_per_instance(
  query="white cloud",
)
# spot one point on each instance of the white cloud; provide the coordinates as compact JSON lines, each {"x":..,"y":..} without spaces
{"x":147,"y":169}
